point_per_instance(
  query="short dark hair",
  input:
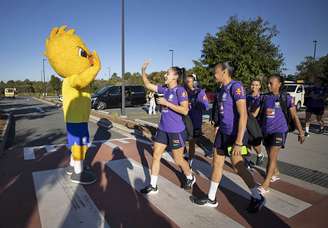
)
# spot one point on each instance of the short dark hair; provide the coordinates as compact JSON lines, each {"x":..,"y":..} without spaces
{"x":226,"y":66}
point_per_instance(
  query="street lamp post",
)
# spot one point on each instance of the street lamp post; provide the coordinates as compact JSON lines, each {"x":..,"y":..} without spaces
{"x":315,"y":48}
{"x":44,"y":78}
{"x":123,"y":113}
{"x":172,"y":53}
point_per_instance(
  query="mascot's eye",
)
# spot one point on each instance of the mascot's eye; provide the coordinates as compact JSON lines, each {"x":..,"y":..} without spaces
{"x":83,"y":53}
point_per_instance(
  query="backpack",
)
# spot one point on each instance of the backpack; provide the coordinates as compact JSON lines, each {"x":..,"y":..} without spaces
{"x":188,"y":123}
{"x":283,"y":104}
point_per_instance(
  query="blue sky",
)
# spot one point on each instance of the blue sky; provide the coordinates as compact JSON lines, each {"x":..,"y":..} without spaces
{"x":152,"y":28}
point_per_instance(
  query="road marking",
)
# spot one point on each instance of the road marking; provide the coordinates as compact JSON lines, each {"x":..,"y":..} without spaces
{"x":29,"y":153}
{"x":50,"y":148}
{"x":111,"y":145}
{"x":278,"y":202}
{"x":173,"y":201}
{"x":62,"y":203}
{"x":123,"y":141}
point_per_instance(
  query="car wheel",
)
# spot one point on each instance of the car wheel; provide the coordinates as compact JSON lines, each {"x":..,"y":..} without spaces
{"x":298,"y":106}
{"x":101,"y":105}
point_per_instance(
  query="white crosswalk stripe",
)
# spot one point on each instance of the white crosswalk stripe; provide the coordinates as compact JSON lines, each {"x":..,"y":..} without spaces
{"x":62,"y":203}
{"x":29,"y":153}
{"x":173,"y":201}
{"x":277,"y":201}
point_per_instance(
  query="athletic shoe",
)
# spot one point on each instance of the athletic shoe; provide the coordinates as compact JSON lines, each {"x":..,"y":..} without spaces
{"x":256,"y":204}
{"x":307,"y":134}
{"x":321,"y":131}
{"x":205,"y":202}
{"x":259,"y":159}
{"x":86,"y":177}
{"x":189,"y":183}
{"x":69,"y":170}
{"x":149,"y":190}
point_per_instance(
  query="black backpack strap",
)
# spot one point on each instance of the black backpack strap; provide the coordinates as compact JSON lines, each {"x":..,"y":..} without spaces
{"x":283,"y":105}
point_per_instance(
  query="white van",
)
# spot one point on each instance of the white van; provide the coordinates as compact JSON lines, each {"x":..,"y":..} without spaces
{"x":297,"y":91}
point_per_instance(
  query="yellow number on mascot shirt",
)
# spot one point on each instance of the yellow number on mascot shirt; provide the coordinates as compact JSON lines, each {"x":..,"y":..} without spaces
{"x":72,"y":60}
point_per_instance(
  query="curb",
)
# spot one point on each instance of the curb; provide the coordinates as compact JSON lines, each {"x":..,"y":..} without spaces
{"x":5,"y":133}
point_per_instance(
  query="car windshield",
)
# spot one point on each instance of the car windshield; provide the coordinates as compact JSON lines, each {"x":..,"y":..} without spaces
{"x":291,"y":88}
{"x":102,"y":90}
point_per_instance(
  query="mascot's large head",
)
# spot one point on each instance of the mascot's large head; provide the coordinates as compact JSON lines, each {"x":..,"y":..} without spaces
{"x":66,"y":52}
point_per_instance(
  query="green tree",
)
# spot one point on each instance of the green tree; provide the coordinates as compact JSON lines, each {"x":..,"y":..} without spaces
{"x":247,"y":45}
{"x":55,"y":84}
{"x":311,"y":69}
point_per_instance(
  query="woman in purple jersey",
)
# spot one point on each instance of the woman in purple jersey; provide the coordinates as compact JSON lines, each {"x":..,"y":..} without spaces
{"x":232,"y":121}
{"x":275,"y":126}
{"x":252,"y":100}
{"x":171,"y":131}
{"x":198,"y":103}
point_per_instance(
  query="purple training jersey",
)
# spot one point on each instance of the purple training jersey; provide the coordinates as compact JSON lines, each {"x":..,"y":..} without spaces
{"x":274,"y":120}
{"x":198,"y":102}
{"x":252,"y":102}
{"x":171,"y":121}
{"x":227,"y":97}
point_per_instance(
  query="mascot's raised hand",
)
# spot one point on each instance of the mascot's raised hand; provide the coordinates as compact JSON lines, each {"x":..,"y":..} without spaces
{"x":72,"y":60}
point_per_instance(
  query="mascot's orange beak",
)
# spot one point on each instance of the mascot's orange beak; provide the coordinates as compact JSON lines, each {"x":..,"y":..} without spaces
{"x":90,"y":58}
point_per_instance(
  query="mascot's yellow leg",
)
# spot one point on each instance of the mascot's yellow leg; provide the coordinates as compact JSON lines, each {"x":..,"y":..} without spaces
{"x":79,"y":152}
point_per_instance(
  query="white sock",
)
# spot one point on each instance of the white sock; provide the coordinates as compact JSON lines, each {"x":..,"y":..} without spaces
{"x":153,"y":181}
{"x":189,"y":177}
{"x":307,"y":129}
{"x":212,"y":192}
{"x":71,"y":162}
{"x":78,"y":166}
{"x":255,"y":193}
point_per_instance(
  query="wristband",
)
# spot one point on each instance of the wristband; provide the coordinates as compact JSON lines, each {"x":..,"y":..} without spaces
{"x":239,"y":145}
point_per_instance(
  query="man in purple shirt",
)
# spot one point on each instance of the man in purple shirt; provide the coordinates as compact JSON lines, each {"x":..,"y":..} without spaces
{"x":232,"y":121}
{"x":315,"y":105}
{"x":171,"y":131}
{"x":198,"y":102}
{"x":275,"y":126}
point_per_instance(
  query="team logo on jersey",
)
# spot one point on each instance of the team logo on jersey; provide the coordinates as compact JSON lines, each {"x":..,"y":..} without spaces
{"x":239,"y":91}
{"x":270,"y":112}
{"x":184,"y":94}
{"x":171,"y":97}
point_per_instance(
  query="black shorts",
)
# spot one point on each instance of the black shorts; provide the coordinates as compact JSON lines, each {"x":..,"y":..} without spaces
{"x":316,"y":110}
{"x":197,"y":133}
{"x":172,"y":140}
{"x":275,"y":139}
{"x":223,"y":141}
{"x":255,"y":142}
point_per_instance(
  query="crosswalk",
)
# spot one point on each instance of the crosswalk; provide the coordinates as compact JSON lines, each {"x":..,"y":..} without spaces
{"x":172,"y":200}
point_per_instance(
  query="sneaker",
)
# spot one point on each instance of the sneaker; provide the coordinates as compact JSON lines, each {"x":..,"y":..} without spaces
{"x":205,"y":202}
{"x":256,"y":204}
{"x":307,"y":134}
{"x":86,"y":177}
{"x":259,"y":159}
{"x":189,"y":183}
{"x":69,"y":170}
{"x":148,"y":190}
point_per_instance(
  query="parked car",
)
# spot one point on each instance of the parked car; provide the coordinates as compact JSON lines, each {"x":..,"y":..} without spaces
{"x":10,"y":92}
{"x":111,"y":97}
{"x":297,"y":91}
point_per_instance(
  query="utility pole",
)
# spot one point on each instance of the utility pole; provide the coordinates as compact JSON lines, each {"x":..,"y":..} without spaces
{"x":44,"y":78}
{"x":123,"y":113}
{"x":172,"y":53}
{"x":108,"y":72}
{"x":315,"y":48}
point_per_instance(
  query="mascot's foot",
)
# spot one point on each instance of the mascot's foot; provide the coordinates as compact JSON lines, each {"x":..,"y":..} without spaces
{"x":86,"y":177}
{"x":69,"y":170}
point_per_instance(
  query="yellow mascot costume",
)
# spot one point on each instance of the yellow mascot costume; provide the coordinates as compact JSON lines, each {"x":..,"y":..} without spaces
{"x":71,"y":59}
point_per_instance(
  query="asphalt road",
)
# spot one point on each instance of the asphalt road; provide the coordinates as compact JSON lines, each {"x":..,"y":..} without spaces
{"x":36,"y":124}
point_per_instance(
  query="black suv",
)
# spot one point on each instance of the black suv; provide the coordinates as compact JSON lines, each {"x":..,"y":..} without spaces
{"x":111,"y":97}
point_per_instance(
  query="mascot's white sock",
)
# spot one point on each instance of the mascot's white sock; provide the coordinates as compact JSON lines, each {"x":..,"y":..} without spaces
{"x":71,"y":162}
{"x":78,"y":166}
